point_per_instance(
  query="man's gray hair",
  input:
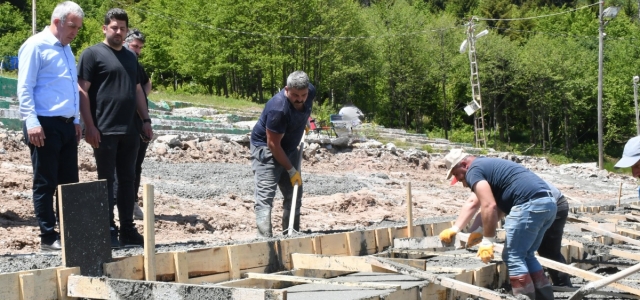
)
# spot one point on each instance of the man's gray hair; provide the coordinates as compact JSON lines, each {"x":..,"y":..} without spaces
{"x":66,"y":8}
{"x":298,"y":80}
{"x":134,"y":34}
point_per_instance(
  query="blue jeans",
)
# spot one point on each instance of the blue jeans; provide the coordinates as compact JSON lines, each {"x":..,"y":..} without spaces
{"x":525,"y":226}
{"x":268,"y":174}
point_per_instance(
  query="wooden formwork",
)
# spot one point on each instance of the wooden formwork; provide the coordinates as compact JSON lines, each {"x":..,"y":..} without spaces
{"x":263,"y":270}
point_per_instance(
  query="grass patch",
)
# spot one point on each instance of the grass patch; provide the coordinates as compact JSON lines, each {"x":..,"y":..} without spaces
{"x":10,"y":74}
{"x":207,"y":100}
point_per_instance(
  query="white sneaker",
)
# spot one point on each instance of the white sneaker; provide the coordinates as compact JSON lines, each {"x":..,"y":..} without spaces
{"x":137,"y":212}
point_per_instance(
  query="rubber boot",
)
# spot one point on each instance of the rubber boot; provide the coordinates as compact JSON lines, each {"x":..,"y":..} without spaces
{"x":285,"y":222}
{"x":560,"y":278}
{"x":544,"y":291}
{"x":263,"y":222}
{"x":522,"y":285}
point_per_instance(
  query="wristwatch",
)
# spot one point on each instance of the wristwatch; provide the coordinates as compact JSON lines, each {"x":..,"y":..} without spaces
{"x":146,"y":121}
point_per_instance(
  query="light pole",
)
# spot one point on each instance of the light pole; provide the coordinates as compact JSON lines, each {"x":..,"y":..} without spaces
{"x":607,"y":14}
{"x":635,"y":101}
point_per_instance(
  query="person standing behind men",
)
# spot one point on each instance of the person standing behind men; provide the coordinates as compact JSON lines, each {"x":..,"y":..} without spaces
{"x":135,"y":42}
{"x":49,"y":104}
{"x":110,"y":95}
{"x":503,"y":186}
{"x":274,"y":153}
{"x":551,"y":244}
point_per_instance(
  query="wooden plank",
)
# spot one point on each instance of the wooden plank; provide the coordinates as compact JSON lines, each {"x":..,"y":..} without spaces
{"x":255,"y":255}
{"x":485,"y":276}
{"x":409,"y":211}
{"x":334,"y":244}
{"x":215,"y":278}
{"x":298,"y":279}
{"x":165,"y":266}
{"x":10,"y":286}
{"x":84,"y":226}
{"x":404,"y":294}
{"x":632,"y":218}
{"x":208,"y":261}
{"x":45,"y":281}
{"x":436,"y":228}
{"x":181,"y":267}
{"x":423,"y":230}
{"x":297,"y":245}
{"x":624,"y":254}
{"x":463,"y":277}
{"x":62,"y":278}
{"x":382,"y":239}
{"x":434,"y":291}
{"x":336,"y":263}
{"x":398,"y":232}
{"x":108,"y":288}
{"x":610,"y":234}
{"x":28,"y":287}
{"x":315,"y":273}
{"x":420,"y":264}
{"x":149,"y":234}
{"x":234,"y":264}
{"x":361,"y":242}
{"x":126,"y":268}
{"x":634,"y":234}
{"x":442,"y":280}
{"x":317,"y":246}
{"x":503,"y":273}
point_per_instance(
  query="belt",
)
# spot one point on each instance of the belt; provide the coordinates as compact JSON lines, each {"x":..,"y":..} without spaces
{"x":65,"y":119}
{"x":543,"y":194}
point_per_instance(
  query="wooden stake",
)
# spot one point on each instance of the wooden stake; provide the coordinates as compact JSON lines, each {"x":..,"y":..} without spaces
{"x":619,"y":194}
{"x":409,"y":211}
{"x":149,"y":234}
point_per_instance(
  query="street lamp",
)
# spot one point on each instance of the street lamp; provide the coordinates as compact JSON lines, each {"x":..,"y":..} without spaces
{"x":635,"y":100}
{"x":603,"y":18}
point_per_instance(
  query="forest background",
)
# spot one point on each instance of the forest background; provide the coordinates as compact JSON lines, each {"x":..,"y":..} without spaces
{"x":399,"y":61}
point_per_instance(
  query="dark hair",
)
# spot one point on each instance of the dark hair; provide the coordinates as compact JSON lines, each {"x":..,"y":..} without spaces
{"x":117,"y":14}
{"x":134,"y":34}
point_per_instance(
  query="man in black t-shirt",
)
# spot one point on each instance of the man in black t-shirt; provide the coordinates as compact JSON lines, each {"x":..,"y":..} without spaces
{"x":110,"y":95}
{"x":135,"y":42}
{"x":274,"y":152}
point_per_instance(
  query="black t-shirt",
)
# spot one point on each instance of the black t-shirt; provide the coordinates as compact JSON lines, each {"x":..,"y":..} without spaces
{"x":143,"y":78}
{"x":511,"y":183}
{"x":280,"y":116}
{"x":113,"y":76}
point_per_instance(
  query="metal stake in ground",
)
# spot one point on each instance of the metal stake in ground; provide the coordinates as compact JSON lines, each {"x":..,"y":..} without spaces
{"x":295,"y":190}
{"x":409,"y":211}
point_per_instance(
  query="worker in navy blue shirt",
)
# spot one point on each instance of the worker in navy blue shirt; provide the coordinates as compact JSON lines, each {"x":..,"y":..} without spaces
{"x":505,"y":187}
{"x":49,"y":106}
{"x":274,"y":152}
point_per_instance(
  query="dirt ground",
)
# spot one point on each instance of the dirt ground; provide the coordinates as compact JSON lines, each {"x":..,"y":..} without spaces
{"x":204,"y":189}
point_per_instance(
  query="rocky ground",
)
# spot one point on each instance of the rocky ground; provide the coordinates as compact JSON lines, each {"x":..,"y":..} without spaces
{"x":204,"y":191}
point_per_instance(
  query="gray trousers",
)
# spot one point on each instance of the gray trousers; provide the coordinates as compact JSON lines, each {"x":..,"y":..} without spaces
{"x":268,"y":174}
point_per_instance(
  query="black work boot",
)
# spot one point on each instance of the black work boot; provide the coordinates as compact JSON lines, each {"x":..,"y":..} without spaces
{"x":263,"y":222}
{"x":130,"y":237}
{"x":285,"y":222}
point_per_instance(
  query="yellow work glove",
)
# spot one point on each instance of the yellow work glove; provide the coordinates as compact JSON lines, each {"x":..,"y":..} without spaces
{"x":448,"y":234}
{"x":294,"y":176}
{"x":474,"y":239}
{"x":485,"y":251}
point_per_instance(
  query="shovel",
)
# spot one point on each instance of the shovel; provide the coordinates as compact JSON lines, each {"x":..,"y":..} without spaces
{"x":292,"y":215}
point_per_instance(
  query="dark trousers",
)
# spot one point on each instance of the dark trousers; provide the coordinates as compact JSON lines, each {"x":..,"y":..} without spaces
{"x":139,"y":160}
{"x":116,"y":157}
{"x":550,"y":248}
{"x":54,"y":163}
